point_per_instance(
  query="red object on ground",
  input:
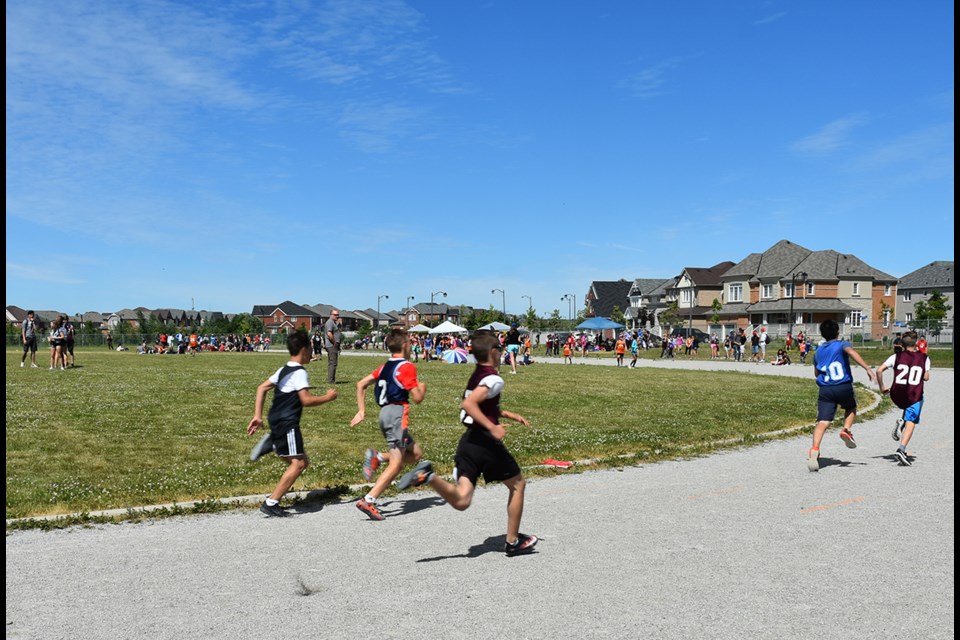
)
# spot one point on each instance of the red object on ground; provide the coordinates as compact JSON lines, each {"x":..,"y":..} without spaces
{"x":559,"y":464}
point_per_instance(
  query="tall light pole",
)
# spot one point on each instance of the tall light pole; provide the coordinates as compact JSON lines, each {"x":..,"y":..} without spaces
{"x":529,"y":304}
{"x":504,"y":302}
{"x":569,"y":297}
{"x":379,"y":298}
{"x":793,"y":293}
{"x":432,"y":310}
{"x":406,"y":320}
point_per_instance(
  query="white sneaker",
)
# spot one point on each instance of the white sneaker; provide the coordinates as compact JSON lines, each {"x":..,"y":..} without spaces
{"x":34,"y":366}
{"x":21,"y":365}
{"x":813,"y":463}
{"x":897,"y":429}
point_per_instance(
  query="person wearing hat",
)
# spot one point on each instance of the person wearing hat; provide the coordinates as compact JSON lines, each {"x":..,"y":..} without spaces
{"x":512,"y":343}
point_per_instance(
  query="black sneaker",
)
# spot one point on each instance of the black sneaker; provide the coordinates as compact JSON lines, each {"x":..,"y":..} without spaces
{"x":417,"y":476}
{"x":523,"y":544}
{"x":902,"y":458}
{"x":274,"y":511}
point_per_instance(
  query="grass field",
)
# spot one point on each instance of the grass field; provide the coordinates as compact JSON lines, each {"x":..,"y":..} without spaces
{"x":123,"y":430}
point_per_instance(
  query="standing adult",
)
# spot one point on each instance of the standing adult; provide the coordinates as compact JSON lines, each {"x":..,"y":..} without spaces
{"x":28,"y":333}
{"x":332,"y":334}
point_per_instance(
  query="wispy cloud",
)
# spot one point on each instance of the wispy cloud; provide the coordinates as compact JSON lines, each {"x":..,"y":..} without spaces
{"x":769,"y":19}
{"x":649,"y":82}
{"x":56,"y":274}
{"x":832,"y":137}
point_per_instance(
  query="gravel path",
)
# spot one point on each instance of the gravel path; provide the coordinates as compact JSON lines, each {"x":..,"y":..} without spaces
{"x":741,"y":544}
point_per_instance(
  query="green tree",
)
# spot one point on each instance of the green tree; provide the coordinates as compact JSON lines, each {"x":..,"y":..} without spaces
{"x":929,"y":314}
{"x":616,"y":315}
{"x":717,"y":307}
{"x":554,"y":321}
{"x":670,"y":317}
{"x":531,"y":319}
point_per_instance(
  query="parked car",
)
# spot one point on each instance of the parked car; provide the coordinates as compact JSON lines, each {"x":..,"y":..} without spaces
{"x":702,"y":338}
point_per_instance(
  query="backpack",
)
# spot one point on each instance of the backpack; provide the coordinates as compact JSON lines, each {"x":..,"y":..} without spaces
{"x":768,"y":338}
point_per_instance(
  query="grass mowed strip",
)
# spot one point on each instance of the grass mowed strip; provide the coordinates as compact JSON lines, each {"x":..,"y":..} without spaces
{"x":123,"y":430}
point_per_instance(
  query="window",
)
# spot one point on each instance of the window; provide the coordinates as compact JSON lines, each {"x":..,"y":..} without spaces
{"x":767,"y":291}
{"x":856,"y":288}
{"x":788,"y":291}
{"x":856,"y":319}
{"x":811,"y":289}
{"x":906,"y":296}
{"x":909,"y":317}
{"x":886,"y":317}
{"x":887,"y":289}
{"x":736,"y":293}
{"x":687,"y":295}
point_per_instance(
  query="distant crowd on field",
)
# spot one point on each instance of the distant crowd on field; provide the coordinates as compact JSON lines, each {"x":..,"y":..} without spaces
{"x":193,"y":343}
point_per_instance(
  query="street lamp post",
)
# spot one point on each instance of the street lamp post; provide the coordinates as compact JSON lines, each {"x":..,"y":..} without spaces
{"x":569,"y":297}
{"x":379,"y":298}
{"x":793,"y":294}
{"x":504,"y":302}
{"x":406,"y":320}
{"x":432,"y":310}
{"x":529,"y":305}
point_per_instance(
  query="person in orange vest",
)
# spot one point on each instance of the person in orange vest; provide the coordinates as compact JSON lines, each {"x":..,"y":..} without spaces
{"x":620,"y":348}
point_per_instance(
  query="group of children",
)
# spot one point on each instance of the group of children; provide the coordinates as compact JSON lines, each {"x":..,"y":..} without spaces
{"x":831,"y":364}
{"x":480,"y":452}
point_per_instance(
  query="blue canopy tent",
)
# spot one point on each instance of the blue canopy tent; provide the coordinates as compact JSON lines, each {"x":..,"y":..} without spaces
{"x":599,"y":324}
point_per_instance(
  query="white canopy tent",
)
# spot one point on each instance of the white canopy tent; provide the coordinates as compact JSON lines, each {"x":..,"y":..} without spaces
{"x":448,"y":327}
{"x":496,"y":326}
{"x":419,"y":328}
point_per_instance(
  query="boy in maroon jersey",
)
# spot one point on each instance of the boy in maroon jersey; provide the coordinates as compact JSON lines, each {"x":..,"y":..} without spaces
{"x":911,"y":368}
{"x":481,"y":450}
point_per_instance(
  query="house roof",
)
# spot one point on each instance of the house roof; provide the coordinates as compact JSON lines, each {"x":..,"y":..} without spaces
{"x":936,"y":275}
{"x":785,"y":258}
{"x":287,"y":307}
{"x":608,"y":294}
{"x":708,"y":276}
{"x":643,"y":286}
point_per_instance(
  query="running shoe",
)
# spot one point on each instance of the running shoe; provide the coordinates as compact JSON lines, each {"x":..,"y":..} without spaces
{"x":419,"y":475}
{"x":371,"y":462}
{"x":847,"y":438}
{"x":523,"y":544}
{"x":813,"y":461}
{"x":902,"y":458}
{"x":273,"y":510}
{"x":262,"y":448}
{"x":897,"y":429}
{"x":370,"y":509}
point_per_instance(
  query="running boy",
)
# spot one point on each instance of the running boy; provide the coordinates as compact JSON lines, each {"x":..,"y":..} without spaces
{"x":831,"y":366}
{"x":397,"y":384}
{"x":621,"y":349}
{"x":911,"y":368}
{"x":481,"y":450}
{"x":291,"y":396}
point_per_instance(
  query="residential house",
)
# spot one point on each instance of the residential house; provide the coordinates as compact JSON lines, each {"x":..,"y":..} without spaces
{"x":382,"y":321}
{"x":350,"y":320}
{"x":695,"y":290}
{"x":128,"y":317}
{"x":644,"y":303}
{"x":433,"y":313}
{"x":917,"y":286}
{"x":286,"y":317}
{"x":791,"y":288}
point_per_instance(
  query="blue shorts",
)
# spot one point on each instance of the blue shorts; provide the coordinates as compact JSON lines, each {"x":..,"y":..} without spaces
{"x":833,"y":395}
{"x":513,"y":348}
{"x":912,"y":413}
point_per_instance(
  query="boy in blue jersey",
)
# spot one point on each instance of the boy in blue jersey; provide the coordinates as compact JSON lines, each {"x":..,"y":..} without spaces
{"x":831,"y":366}
{"x":397,"y":384}
{"x":481,"y":451}
{"x":291,"y":396}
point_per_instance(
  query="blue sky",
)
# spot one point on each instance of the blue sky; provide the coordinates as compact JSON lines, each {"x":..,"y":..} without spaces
{"x":225,"y":154}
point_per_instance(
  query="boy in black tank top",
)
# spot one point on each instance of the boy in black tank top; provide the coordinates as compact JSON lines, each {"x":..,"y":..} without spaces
{"x":291,"y":396}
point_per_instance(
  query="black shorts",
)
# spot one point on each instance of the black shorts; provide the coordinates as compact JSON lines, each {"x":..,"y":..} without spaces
{"x":30,"y":345}
{"x":70,"y":344}
{"x":479,"y":454}
{"x":833,"y":395}
{"x":288,"y":441}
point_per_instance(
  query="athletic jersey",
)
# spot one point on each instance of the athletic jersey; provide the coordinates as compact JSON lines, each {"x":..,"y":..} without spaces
{"x":286,"y":408}
{"x":832,"y":363}
{"x":908,"y":368}
{"x":621,"y":347}
{"x":394,"y":380}
{"x":484,"y":376}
